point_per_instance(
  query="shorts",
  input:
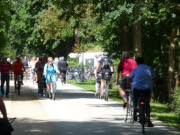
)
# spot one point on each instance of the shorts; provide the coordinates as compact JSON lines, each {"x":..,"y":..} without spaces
{"x":147,"y":95}
{"x":48,"y":78}
{"x":103,"y":71}
{"x":123,"y":83}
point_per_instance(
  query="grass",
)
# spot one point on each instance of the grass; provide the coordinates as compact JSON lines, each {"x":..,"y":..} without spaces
{"x":158,"y":111}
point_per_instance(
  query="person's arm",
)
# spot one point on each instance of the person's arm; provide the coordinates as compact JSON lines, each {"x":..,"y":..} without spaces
{"x":117,"y":74}
{"x":93,"y":70}
{"x":56,"y":69}
{"x":98,"y":66}
{"x":3,"y":108}
{"x":45,"y":69}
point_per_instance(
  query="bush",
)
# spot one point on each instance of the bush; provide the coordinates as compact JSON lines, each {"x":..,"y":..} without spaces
{"x":176,"y":102}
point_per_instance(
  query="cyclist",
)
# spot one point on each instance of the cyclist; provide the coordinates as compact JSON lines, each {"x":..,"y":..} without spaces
{"x":125,"y":66}
{"x":49,"y":71}
{"x":105,"y":64}
{"x":26,"y":65}
{"x":142,"y":82}
{"x":18,"y":66}
{"x":5,"y":67}
{"x":98,"y":78}
{"x":40,"y":69}
{"x":62,"y":67}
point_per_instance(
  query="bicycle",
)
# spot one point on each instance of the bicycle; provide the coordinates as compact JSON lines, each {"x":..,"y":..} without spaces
{"x":62,"y":77}
{"x":128,"y":110}
{"x":52,"y":87}
{"x":18,"y":81}
{"x":141,"y":104}
{"x":106,"y":86}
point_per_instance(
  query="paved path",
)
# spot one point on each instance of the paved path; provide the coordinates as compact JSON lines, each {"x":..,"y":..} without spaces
{"x":74,"y":112}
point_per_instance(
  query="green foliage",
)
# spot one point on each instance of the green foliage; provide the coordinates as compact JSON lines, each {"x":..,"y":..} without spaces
{"x":176,"y":102}
{"x":73,"y":62}
{"x":4,"y":23}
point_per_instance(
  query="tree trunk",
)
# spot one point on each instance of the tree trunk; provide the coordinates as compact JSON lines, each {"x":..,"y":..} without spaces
{"x":137,"y":40}
{"x":171,"y":77}
{"x":178,"y":71}
{"x":76,"y":48}
{"x":124,"y":38}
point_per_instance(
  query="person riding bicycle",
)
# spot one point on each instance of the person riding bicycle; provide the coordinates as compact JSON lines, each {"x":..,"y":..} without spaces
{"x":26,"y":66}
{"x":98,"y":77}
{"x":62,"y":67}
{"x":18,"y":67}
{"x":40,"y":71}
{"x":105,"y":64}
{"x":125,"y":66}
{"x":142,"y":78}
{"x":50,"y":70}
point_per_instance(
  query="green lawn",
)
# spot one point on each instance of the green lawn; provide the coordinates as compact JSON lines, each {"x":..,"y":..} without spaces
{"x":159,"y":111}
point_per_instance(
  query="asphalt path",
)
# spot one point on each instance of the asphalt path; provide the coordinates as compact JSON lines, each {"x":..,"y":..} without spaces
{"x":74,"y":112}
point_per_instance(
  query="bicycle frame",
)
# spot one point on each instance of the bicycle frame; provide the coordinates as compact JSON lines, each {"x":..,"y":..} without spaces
{"x":18,"y":81}
{"x":128,"y":110}
{"x":52,"y":87}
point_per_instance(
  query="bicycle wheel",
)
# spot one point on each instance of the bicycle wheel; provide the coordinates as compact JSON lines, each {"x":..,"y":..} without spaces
{"x":19,"y":87}
{"x":53,"y":91}
{"x":142,"y":117}
{"x":125,"y":113}
{"x":106,"y":91}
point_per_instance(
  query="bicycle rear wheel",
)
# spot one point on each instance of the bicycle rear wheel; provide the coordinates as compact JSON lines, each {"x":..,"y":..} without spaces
{"x":106,"y":96}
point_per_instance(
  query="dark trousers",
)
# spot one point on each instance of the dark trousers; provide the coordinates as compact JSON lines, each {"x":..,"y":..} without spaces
{"x":5,"y":77}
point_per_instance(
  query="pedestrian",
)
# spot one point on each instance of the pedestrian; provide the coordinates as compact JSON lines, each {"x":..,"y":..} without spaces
{"x":5,"y":68}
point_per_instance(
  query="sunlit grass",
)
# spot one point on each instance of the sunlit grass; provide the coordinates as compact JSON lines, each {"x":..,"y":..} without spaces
{"x":158,"y":111}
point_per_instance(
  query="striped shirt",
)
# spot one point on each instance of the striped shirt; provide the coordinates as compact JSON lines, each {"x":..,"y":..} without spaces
{"x":5,"y":67}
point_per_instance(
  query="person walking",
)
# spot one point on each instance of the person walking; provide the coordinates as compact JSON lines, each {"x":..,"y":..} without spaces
{"x":5,"y":69}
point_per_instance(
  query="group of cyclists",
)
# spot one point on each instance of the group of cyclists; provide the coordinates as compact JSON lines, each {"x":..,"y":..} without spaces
{"x":135,"y":74}
{"x":39,"y":68}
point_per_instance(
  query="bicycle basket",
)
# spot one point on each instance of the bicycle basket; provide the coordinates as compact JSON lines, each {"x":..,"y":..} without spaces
{"x":107,"y":76}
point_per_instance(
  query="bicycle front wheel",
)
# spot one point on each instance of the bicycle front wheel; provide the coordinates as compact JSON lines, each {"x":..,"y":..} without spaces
{"x":53,"y":91}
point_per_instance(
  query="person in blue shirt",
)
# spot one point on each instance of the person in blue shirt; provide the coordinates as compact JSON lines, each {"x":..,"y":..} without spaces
{"x":50,"y":70}
{"x":142,"y":78}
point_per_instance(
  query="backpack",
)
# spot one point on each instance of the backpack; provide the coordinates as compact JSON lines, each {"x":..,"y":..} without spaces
{"x":106,"y":64}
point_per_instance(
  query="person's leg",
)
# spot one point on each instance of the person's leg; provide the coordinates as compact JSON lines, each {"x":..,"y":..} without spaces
{"x":7,"y":84}
{"x":14,"y":81}
{"x":102,"y":85}
{"x":123,"y":95}
{"x":65,"y":77}
{"x":110,"y":84}
{"x":2,"y":84}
